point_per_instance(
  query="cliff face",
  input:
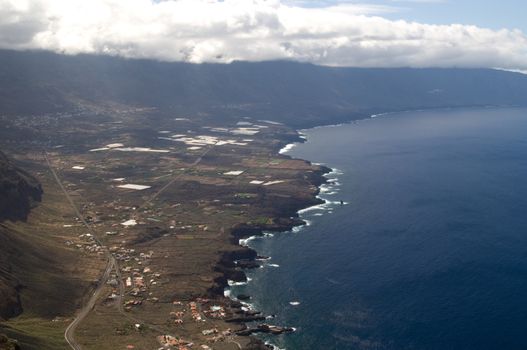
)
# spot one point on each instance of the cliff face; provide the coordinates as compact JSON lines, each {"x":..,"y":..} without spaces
{"x":18,"y":191}
{"x":10,"y":303}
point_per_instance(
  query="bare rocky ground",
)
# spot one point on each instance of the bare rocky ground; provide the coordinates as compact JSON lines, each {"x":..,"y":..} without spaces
{"x":167,"y":195}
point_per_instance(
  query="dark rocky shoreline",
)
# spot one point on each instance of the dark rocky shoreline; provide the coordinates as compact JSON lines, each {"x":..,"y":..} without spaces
{"x":233,"y":263}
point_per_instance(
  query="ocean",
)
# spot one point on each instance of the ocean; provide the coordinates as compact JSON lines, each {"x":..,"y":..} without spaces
{"x":429,"y":250}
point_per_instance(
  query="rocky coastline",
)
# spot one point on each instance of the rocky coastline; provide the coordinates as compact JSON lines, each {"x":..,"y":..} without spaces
{"x":233,"y":264}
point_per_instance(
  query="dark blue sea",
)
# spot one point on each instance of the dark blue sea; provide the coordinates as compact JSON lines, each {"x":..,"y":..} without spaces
{"x":430,"y":251}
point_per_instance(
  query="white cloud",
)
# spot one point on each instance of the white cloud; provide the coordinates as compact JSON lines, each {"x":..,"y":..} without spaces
{"x":344,"y":34}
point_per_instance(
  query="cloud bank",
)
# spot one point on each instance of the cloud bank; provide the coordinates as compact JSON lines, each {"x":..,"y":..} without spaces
{"x":199,"y":31}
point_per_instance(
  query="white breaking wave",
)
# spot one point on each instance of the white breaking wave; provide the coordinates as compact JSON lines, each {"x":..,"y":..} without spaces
{"x":244,"y":242}
{"x":314,"y":207}
{"x":287,"y":148}
{"x":232,"y":283}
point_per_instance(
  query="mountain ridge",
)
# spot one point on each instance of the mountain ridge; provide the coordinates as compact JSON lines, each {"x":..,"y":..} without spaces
{"x":298,"y":94}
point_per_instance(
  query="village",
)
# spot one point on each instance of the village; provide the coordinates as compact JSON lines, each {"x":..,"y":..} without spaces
{"x":163,"y":205}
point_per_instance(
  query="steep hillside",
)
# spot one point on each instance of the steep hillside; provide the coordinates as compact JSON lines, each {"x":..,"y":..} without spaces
{"x":10,"y":304}
{"x":41,"y":278}
{"x":8,"y":344}
{"x":295,"y":93}
{"x":18,"y":191}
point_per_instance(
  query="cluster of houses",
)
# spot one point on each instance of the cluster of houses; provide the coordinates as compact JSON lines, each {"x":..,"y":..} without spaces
{"x":196,"y":315}
{"x":171,"y":342}
{"x":86,"y":243}
{"x":136,"y":270}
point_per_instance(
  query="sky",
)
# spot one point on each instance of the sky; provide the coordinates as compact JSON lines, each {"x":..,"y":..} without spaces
{"x":369,"y":33}
{"x":510,"y":14}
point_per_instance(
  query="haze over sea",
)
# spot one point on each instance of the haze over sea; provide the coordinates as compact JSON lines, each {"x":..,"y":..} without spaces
{"x":430,"y":252}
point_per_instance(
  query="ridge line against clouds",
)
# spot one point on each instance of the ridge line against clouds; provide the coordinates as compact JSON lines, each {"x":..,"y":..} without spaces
{"x":342,"y":34}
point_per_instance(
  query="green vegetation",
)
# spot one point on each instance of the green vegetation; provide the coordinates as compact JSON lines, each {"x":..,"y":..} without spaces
{"x":261,"y":221}
{"x":34,"y":333}
{"x":8,"y":344}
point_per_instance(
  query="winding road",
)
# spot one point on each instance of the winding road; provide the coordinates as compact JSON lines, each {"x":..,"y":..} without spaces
{"x":110,"y":265}
{"x":81,"y":315}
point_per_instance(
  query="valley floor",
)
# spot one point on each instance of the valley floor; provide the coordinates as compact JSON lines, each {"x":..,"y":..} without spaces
{"x":137,"y":234}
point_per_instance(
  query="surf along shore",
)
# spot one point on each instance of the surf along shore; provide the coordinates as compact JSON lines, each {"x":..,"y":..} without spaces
{"x":325,"y":181}
{"x":234,"y":264}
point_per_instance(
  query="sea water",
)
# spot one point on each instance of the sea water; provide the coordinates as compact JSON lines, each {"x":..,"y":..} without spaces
{"x":430,"y":249}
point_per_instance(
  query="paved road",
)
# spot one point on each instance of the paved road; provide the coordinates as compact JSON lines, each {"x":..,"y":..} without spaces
{"x":69,"y":334}
{"x":111,"y":264}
